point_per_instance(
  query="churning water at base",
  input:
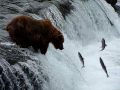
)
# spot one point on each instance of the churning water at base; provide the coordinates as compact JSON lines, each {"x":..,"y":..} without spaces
{"x":88,"y":22}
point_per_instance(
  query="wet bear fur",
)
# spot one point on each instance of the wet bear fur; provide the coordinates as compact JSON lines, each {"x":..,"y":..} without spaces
{"x":26,"y":31}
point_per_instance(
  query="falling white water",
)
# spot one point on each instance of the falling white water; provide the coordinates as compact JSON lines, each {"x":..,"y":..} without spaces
{"x":89,"y":22}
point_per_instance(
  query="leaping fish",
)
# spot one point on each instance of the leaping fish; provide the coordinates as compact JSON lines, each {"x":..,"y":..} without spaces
{"x":81,"y":59}
{"x":103,"y":44}
{"x":103,"y":66}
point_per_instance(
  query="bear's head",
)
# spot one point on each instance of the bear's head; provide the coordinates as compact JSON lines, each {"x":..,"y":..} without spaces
{"x":58,"y":42}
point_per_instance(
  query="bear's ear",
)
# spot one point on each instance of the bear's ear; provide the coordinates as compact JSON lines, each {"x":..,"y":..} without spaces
{"x":20,"y":25}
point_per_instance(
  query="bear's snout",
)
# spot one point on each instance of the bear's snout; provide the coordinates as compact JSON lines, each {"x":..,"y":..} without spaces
{"x":61,"y":47}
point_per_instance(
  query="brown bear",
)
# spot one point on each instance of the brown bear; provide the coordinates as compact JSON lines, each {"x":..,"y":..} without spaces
{"x":112,"y":2}
{"x":26,"y":31}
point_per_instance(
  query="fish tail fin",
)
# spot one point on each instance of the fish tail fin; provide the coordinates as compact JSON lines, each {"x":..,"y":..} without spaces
{"x":107,"y":75}
{"x":102,"y":49}
{"x":83,"y":66}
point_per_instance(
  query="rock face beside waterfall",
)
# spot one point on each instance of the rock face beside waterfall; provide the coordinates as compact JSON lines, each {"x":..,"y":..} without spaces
{"x":15,"y":70}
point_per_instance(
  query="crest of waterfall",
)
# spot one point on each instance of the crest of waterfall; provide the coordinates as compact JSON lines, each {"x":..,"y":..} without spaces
{"x":89,"y":21}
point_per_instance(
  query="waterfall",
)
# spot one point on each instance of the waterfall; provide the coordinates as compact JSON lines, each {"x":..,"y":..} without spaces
{"x":83,"y":23}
